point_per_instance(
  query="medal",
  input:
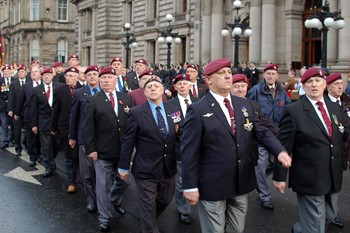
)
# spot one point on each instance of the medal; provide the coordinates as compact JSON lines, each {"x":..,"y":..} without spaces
{"x":341,"y":128}
{"x":335,"y":119}
{"x":248,"y":125}
{"x":348,"y":112}
{"x":245,"y":111}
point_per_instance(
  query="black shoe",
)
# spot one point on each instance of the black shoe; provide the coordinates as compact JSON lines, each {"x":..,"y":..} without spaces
{"x":3,"y":147}
{"x":105,"y":227}
{"x":337,"y":222}
{"x":32,"y":164}
{"x":120,"y":209}
{"x":185,"y":219}
{"x":267,"y":205}
{"x":91,"y":208}
{"x":47,"y":174}
{"x":18,"y":154}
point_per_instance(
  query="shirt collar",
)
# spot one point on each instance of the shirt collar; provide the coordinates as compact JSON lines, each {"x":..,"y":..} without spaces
{"x":219,"y":98}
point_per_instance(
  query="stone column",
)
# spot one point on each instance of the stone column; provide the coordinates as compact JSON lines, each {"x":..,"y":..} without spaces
{"x":217,"y":21}
{"x":206,"y":32}
{"x":332,"y":38}
{"x":255,"y":24}
{"x":344,"y":35}
{"x":268,"y":33}
{"x":93,"y":37}
{"x":197,"y":30}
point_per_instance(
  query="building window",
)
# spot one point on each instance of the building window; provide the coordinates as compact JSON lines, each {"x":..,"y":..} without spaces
{"x":152,"y":9}
{"x":62,"y":10}
{"x":34,"y":10}
{"x":62,"y":50}
{"x":181,"y":6}
{"x":128,"y":13}
{"x":34,"y":50}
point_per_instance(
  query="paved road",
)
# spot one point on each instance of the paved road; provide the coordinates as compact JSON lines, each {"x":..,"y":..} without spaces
{"x":46,"y":207}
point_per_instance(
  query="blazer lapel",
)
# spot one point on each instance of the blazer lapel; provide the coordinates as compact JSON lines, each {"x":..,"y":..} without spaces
{"x":103,"y":98}
{"x":214,"y":105}
{"x":313,"y":115}
{"x":170,"y":120}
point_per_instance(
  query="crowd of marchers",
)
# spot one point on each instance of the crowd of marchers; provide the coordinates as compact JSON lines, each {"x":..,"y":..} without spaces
{"x":205,"y":136}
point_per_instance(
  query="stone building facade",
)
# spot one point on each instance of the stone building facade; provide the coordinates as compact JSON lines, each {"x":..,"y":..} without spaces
{"x":37,"y":29}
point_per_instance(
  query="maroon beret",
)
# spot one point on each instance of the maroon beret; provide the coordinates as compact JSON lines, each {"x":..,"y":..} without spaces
{"x":271,"y":67}
{"x":181,"y":77}
{"x":119,"y":59}
{"x":7,"y":67}
{"x":21,"y":67}
{"x":216,"y":65}
{"x":193,"y":66}
{"x":333,"y":77}
{"x":34,"y":62}
{"x":91,"y":68}
{"x":107,"y":70}
{"x":46,"y":70}
{"x":152,"y":79}
{"x":143,"y":61}
{"x":312,"y":72}
{"x":71,"y":69}
{"x":73,"y":56}
{"x":239,"y":78}
{"x":57,"y":64}
{"x":147,"y":72}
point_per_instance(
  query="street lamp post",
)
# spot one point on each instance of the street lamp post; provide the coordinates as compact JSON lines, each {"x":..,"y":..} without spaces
{"x":237,"y":28}
{"x":323,"y":20}
{"x":168,"y":37}
{"x":130,"y":41}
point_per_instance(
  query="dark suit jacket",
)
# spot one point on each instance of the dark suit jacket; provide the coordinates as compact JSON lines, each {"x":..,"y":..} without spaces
{"x":14,"y":93}
{"x":103,"y":129}
{"x":4,"y":94}
{"x":132,"y":80}
{"x":61,"y":110}
{"x":40,"y":110}
{"x":154,"y":157}
{"x":77,"y":114}
{"x":215,"y":161}
{"x":175,"y":101}
{"x":23,"y":106}
{"x":202,"y":90}
{"x":316,"y":159}
{"x":79,"y":85}
{"x":138,"y":96}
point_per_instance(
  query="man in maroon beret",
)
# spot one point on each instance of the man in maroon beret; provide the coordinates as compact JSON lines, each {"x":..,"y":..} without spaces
{"x":104,"y":129}
{"x":272,"y":99}
{"x":73,"y":60}
{"x":58,"y":72}
{"x":41,"y":113}
{"x":313,"y":130}
{"x":216,"y":136}
{"x":124,"y":84}
{"x":198,"y":90}
{"x":141,"y":66}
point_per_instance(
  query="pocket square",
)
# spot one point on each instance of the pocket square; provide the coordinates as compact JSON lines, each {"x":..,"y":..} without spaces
{"x":208,"y":114}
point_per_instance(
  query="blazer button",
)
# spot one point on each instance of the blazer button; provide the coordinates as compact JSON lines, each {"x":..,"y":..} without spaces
{"x":237,"y":145}
{"x":119,"y":129}
{"x":118,"y":120}
{"x":164,"y":155}
{"x":332,"y":157}
{"x":165,"y":145}
{"x":239,"y":161}
{"x":331,"y":145}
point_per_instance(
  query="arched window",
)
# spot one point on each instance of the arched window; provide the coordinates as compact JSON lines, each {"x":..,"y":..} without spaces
{"x":34,"y":50}
{"x":62,"y":50}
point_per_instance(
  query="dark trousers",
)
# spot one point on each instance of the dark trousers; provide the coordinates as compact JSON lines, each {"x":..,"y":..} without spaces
{"x":46,"y":141}
{"x":17,"y":135}
{"x":5,"y":123}
{"x":154,"y":195}
{"x":72,"y":158}
{"x":31,"y":142}
{"x":87,"y":173}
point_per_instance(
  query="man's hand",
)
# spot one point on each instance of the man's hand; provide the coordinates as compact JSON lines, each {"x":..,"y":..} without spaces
{"x":123,"y":175}
{"x":93,"y":155}
{"x":192,"y":197}
{"x":72,"y":143}
{"x":10,"y":114}
{"x":168,"y":93}
{"x":280,"y":186}
{"x":285,"y":159}
{"x":35,"y":130}
{"x":16,"y":118}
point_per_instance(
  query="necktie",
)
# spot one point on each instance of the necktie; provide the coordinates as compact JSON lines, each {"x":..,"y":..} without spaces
{"x":194,"y":92}
{"x":37,"y":83}
{"x":232,"y":115}
{"x":338,"y":102}
{"x":48,"y":92}
{"x":94,"y":91}
{"x":111,"y":99}
{"x":120,"y":85}
{"x":161,"y":124}
{"x":186,"y":102}
{"x":8,"y":82}
{"x":72,"y":90}
{"x":326,"y":119}
{"x":22,"y":82}
{"x":272,"y":89}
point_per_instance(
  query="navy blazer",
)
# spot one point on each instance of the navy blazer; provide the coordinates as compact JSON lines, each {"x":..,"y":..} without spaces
{"x":77,"y":114}
{"x":14,"y":93}
{"x":103,"y":129}
{"x":154,"y":158}
{"x":215,"y":161}
{"x":23,"y":106}
{"x":4,"y":94}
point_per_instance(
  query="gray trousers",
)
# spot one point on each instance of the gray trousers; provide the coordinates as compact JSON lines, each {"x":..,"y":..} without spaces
{"x":88,"y":176}
{"x":182,"y":205}
{"x":223,"y":216}
{"x":263,"y":171}
{"x":313,"y":211}
{"x":108,"y":184}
